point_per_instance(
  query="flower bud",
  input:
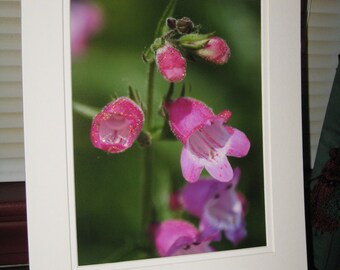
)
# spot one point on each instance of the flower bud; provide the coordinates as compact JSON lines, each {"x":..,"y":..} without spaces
{"x":184,"y":25}
{"x":117,"y":126}
{"x":171,"y":22}
{"x":216,"y":51}
{"x":170,"y":63}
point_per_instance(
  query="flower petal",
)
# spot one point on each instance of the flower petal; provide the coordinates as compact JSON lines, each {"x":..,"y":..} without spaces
{"x":238,"y":144}
{"x":186,"y":115}
{"x":117,"y":126}
{"x":208,"y":231}
{"x":194,"y":248}
{"x":220,"y":169}
{"x":236,"y":177}
{"x":195,"y":195}
{"x":172,"y":234}
{"x":225,"y":211}
{"x":236,"y":236}
{"x":86,"y":20}
{"x":191,"y":165}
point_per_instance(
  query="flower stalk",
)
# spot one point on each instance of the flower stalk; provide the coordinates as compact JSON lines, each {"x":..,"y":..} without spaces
{"x":150,"y":85}
{"x":147,"y":176}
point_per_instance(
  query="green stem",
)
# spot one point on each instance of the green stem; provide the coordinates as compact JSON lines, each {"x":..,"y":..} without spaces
{"x":147,"y":191}
{"x":147,"y":177}
{"x":151,"y":75}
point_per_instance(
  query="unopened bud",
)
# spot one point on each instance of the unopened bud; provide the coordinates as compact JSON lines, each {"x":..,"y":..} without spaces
{"x":171,"y":23}
{"x":184,"y":25}
{"x":171,"y":63}
{"x":216,"y":51}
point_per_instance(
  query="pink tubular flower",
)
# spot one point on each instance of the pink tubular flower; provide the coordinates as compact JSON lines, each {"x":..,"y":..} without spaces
{"x":86,"y":20}
{"x":178,"y":237}
{"x":219,"y":207}
{"x":117,"y":126}
{"x":170,"y":63}
{"x":216,"y":51}
{"x":207,"y":141}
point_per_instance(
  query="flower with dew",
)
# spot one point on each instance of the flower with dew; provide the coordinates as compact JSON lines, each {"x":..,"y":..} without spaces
{"x":216,"y":51}
{"x":86,"y":20}
{"x":219,"y":206}
{"x":171,"y":64}
{"x":117,"y":126}
{"x":207,"y":141}
{"x":179,"y":237}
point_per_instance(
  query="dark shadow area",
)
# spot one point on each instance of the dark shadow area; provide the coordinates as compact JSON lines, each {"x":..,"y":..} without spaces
{"x":306,"y":132}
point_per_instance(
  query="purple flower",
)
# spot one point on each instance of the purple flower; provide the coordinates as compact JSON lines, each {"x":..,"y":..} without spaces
{"x":86,"y":20}
{"x":216,"y":51}
{"x":207,"y":141}
{"x":117,"y":126}
{"x":219,"y":206}
{"x":170,"y":63}
{"x":178,"y":237}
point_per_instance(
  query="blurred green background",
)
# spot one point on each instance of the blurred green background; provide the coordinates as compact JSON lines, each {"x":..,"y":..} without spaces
{"x":108,"y":186}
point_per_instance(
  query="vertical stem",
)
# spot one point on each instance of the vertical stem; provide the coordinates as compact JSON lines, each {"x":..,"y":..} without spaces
{"x":147,"y":176}
{"x":147,"y":191}
{"x":151,"y":75}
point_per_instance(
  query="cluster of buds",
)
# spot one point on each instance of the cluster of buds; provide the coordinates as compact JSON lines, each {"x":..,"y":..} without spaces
{"x":183,"y":38}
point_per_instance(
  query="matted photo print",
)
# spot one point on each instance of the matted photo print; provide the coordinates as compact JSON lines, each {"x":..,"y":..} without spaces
{"x":167,"y":128}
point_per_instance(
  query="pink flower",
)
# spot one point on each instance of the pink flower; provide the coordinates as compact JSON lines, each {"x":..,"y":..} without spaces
{"x":219,"y":207}
{"x":178,"y":237}
{"x":117,"y":126}
{"x":86,"y":20}
{"x":216,"y":51}
{"x":207,"y":141}
{"x":170,"y":63}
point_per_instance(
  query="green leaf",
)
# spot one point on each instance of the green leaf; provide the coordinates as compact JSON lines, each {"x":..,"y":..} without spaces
{"x":194,"y":41}
{"x":148,"y":56}
{"x":161,"y":26}
{"x":195,"y":37}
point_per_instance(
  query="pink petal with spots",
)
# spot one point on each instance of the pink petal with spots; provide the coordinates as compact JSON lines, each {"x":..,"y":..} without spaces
{"x":220,"y":169}
{"x":238,"y":144}
{"x":191,"y":165}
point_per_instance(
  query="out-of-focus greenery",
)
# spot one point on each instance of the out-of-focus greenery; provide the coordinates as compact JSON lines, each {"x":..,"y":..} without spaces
{"x":108,"y":186}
